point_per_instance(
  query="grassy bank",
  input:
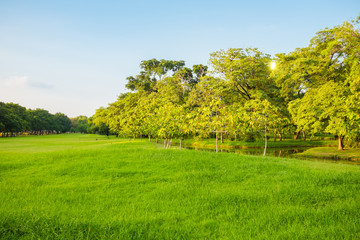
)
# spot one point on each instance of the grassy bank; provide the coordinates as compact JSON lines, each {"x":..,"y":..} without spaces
{"x":352,"y":155}
{"x":92,"y":187}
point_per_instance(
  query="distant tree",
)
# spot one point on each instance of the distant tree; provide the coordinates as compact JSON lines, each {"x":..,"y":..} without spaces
{"x":100,"y":122}
{"x":62,"y":122}
{"x":13,"y":118}
{"x":79,"y":124}
{"x":185,"y":78}
{"x":41,"y":120}
{"x":199,"y":71}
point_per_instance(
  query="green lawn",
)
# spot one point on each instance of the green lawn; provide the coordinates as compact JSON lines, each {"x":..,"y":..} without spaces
{"x":91,"y":187}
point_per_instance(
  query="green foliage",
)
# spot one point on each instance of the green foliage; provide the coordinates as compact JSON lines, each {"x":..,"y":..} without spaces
{"x":251,"y":137}
{"x":40,"y":119}
{"x":313,"y":89}
{"x":98,"y":123}
{"x":152,"y":71}
{"x":79,"y":124}
{"x":330,"y":98}
{"x":246,"y":69}
{"x":15,"y":118}
{"x":63,"y":123}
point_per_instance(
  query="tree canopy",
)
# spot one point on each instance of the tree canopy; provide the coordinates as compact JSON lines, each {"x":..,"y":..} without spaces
{"x":15,"y":119}
{"x":314,"y":89}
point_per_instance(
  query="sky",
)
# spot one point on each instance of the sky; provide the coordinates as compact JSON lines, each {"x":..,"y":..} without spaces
{"x":74,"y":56}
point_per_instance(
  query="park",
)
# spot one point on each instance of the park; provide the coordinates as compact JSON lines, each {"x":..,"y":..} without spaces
{"x":251,"y":145}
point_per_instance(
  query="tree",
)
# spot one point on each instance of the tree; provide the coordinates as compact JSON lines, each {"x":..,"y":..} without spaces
{"x":79,"y":124}
{"x":153,"y":70}
{"x":156,"y":68}
{"x":331,"y":67}
{"x":249,"y":79}
{"x":13,"y":118}
{"x":199,"y":72}
{"x":123,"y":115}
{"x":185,"y":77}
{"x":323,"y":110}
{"x":62,"y":123}
{"x":171,"y":122}
{"x":246,"y":70}
{"x":208,"y":104}
{"x":99,"y":122}
{"x":41,"y":120}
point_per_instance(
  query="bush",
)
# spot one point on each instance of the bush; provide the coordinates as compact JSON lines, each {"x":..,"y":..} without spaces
{"x":251,"y":137}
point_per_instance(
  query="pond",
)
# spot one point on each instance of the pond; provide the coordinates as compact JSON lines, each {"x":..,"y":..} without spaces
{"x":274,"y":152}
{"x":288,"y":152}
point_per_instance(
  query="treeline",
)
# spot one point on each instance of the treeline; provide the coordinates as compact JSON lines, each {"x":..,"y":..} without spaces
{"x":83,"y":124}
{"x":17,"y":120}
{"x":315,"y":89}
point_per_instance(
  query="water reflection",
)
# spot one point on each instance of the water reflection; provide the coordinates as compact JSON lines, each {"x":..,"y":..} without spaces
{"x":275,"y":152}
{"x":287,"y":152}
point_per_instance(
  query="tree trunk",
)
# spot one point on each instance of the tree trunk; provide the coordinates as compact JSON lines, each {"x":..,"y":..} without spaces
{"x":216,"y":136}
{"x":169,"y":143}
{"x":304,"y":135}
{"x":280,"y":135}
{"x":296,"y":136}
{"x":165,"y":143}
{"x":265,"y":139}
{"x":180,"y":143}
{"x":149,"y":138}
{"x":235,"y":137}
{"x":221,"y":137}
{"x":341,"y":142}
{"x":157,"y":140}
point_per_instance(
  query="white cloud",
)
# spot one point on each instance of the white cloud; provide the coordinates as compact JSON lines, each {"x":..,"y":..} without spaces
{"x":22,"y":82}
{"x":16,"y":81}
{"x":40,"y":85}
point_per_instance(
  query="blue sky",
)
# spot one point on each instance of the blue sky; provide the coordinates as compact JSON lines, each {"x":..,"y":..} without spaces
{"x":74,"y":56}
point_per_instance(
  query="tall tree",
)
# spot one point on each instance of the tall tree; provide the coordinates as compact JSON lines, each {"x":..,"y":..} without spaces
{"x":152,"y":70}
{"x":13,"y":118}
{"x":79,"y":124}
{"x":41,"y":120}
{"x":62,"y":122}
{"x":331,"y":65}
{"x":99,"y":121}
{"x":245,"y":69}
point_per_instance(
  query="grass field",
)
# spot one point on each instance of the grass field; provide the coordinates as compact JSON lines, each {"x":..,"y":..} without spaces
{"x":91,"y":187}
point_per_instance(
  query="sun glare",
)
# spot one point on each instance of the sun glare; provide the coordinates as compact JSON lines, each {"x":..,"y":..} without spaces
{"x":272,"y":65}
